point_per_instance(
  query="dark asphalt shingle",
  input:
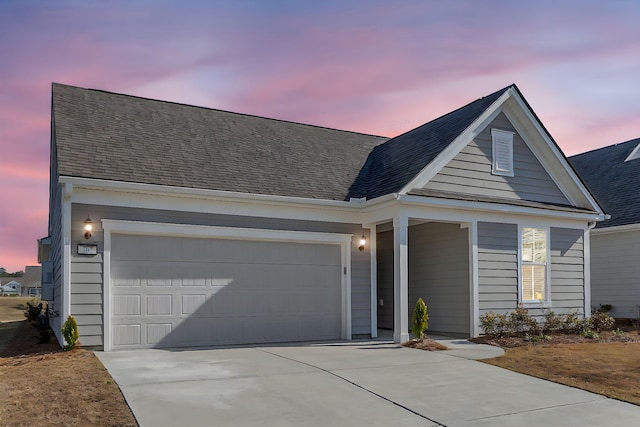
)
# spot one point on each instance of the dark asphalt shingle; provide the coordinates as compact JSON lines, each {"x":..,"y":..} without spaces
{"x":109,"y":136}
{"x":612,"y":181}
{"x":392,"y":165}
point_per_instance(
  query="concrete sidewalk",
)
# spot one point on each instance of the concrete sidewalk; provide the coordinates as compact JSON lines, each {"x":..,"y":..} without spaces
{"x":347,"y":384}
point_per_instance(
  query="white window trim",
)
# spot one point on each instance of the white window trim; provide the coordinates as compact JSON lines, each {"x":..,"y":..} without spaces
{"x":499,"y":136}
{"x":546,"y":302}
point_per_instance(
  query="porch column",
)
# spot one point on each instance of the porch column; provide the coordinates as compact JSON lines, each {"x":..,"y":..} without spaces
{"x":401,"y":279}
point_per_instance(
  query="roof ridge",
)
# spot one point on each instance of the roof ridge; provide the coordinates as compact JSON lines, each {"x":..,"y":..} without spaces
{"x":457,"y":109}
{"x":217,"y":109}
{"x":637,"y":140}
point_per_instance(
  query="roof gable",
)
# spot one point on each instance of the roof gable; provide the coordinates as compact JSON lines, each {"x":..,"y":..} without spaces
{"x":512,"y":104}
{"x":471,"y":172}
{"x":613,"y":180}
{"x":103,"y":135}
{"x":392,"y":165}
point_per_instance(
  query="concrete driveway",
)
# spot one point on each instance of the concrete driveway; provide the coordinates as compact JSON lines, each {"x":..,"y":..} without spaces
{"x":347,"y":384}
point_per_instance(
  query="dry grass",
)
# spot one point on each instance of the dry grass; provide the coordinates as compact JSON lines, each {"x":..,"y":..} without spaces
{"x":608,"y":368}
{"x":12,"y":308}
{"x":42,"y":385}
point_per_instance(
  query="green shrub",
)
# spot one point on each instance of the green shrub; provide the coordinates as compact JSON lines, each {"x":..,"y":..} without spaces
{"x":495,"y":324}
{"x":521,"y":322}
{"x":70,"y":333}
{"x":618,"y":332}
{"x":571,"y":323}
{"x":420,"y":318}
{"x":589,"y":333}
{"x":552,"y":322}
{"x":600,"y":321}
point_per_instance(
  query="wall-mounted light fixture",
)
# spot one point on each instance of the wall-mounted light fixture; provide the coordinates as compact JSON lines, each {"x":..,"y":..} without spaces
{"x":88,"y":228}
{"x":363,"y":241}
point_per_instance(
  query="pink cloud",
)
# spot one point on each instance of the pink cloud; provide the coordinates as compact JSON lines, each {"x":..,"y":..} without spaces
{"x":375,"y":68}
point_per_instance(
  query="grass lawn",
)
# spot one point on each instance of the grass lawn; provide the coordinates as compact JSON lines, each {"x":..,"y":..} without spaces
{"x":45,"y":386}
{"x":611,"y":368}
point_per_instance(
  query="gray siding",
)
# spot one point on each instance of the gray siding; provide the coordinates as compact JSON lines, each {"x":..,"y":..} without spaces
{"x":439,"y":274}
{"x":87,"y":297}
{"x":55,"y":231}
{"x":470,"y":171}
{"x":89,"y":312}
{"x":360,"y":287}
{"x":567,"y":270}
{"x":384,"y":254}
{"x":55,"y":256}
{"x":497,"y":267}
{"x":615,"y":272}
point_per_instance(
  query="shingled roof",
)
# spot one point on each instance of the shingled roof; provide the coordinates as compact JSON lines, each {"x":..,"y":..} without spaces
{"x":392,"y":165}
{"x":110,"y":136}
{"x":612,"y":181}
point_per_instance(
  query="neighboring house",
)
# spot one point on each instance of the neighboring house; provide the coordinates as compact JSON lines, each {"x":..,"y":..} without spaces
{"x":612,"y":174}
{"x":211,"y":227}
{"x":10,"y":288}
{"x":31,"y":280}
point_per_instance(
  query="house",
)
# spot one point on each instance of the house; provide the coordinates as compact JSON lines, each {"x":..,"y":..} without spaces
{"x":10,"y":288}
{"x":175,"y":226}
{"x":611,"y":174}
{"x":31,"y":281}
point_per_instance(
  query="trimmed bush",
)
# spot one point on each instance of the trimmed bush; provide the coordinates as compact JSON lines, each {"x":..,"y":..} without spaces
{"x":420,"y":318}
{"x":70,"y":333}
{"x":601,"y":321}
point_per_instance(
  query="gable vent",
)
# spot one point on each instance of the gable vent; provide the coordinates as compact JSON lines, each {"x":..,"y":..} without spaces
{"x":502,"y":152}
{"x":635,"y":154}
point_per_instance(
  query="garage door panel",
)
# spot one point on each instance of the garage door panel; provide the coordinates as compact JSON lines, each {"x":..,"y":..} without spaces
{"x":159,"y":305}
{"x":194,"y":305}
{"x":157,"y":332}
{"x":127,"y":335}
{"x":217,"y":292}
{"x":127,"y":273}
{"x":126,"y":305}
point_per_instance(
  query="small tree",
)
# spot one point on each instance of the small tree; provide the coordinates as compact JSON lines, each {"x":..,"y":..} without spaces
{"x":70,"y":333}
{"x":420,"y":318}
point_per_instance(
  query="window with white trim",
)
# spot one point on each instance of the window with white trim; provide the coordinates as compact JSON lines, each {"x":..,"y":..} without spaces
{"x":502,"y":152}
{"x":534,"y":256}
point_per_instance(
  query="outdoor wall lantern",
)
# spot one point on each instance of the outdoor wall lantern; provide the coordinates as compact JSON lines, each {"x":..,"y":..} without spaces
{"x":363,"y":241}
{"x":88,"y":228}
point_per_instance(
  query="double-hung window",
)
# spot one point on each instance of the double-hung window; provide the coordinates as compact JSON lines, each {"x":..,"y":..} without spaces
{"x":534,"y":258}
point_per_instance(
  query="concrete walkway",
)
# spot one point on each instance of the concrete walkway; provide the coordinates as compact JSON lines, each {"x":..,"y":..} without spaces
{"x":368,"y":383}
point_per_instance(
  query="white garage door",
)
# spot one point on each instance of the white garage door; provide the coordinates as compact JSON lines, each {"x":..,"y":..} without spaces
{"x":185,"y":292}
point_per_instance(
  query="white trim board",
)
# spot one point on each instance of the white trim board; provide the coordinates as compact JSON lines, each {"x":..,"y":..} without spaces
{"x":111,"y":227}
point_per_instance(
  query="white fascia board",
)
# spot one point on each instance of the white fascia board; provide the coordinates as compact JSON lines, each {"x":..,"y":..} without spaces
{"x":559,"y":156}
{"x":194,"y":193}
{"x":616,"y":229}
{"x":148,"y":196}
{"x":471,"y":208}
{"x":461,"y":141}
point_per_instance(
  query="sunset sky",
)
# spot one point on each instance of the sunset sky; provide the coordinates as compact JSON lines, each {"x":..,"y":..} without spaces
{"x":379,"y":67}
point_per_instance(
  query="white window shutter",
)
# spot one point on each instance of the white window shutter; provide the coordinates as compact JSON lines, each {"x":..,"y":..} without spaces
{"x":502,"y":152}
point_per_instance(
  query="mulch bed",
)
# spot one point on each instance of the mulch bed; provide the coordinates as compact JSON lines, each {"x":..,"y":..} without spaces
{"x":557,"y":338}
{"x":425,"y":343}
